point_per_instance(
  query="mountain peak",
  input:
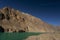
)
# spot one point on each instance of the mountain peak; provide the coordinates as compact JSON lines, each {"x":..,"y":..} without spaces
{"x":12,"y":20}
{"x":7,"y":8}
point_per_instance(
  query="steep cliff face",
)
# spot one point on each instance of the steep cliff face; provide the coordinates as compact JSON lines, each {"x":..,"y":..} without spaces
{"x":12,"y":20}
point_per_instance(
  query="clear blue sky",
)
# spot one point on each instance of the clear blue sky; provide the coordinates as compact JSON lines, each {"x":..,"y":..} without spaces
{"x":47,"y":10}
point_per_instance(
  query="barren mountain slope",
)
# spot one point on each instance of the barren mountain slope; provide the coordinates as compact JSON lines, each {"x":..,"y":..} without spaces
{"x":12,"y":20}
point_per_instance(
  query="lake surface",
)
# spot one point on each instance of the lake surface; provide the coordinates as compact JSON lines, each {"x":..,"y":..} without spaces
{"x":16,"y":36}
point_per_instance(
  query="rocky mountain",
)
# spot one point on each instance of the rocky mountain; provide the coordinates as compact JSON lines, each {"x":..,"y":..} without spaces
{"x":12,"y":20}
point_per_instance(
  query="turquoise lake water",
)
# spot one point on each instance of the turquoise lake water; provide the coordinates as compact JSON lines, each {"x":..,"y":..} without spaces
{"x":16,"y":36}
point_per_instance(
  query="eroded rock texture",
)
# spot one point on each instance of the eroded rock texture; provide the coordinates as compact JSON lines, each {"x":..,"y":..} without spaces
{"x":12,"y":20}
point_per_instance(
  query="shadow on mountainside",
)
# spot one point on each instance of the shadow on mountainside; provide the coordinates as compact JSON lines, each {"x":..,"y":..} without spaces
{"x":1,"y":29}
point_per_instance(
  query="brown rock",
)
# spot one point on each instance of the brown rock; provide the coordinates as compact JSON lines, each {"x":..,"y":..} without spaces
{"x":48,"y":36}
{"x":12,"y":20}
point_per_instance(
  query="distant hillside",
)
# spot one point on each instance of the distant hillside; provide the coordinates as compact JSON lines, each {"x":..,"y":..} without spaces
{"x":12,"y":20}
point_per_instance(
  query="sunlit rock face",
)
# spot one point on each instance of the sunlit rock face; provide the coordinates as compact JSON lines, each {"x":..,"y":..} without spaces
{"x":12,"y":20}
